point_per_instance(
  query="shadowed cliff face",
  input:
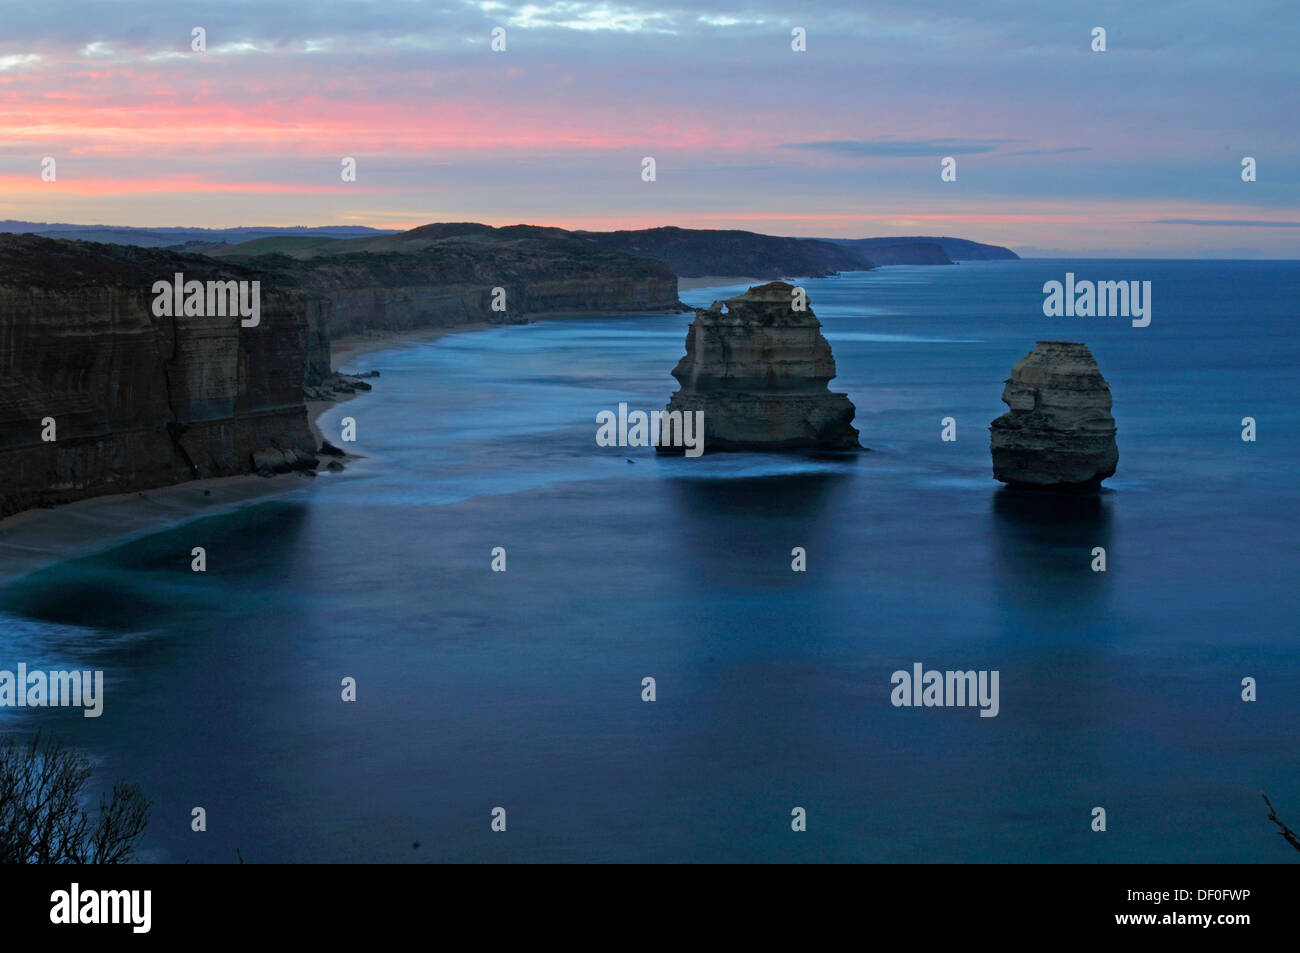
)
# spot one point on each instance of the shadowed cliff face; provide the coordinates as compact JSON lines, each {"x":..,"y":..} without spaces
{"x":136,"y":400}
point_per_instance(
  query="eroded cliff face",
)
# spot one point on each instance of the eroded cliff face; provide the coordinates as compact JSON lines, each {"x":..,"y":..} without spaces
{"x":758,"y":370}
{"x":1059,"y":431}
{"x":348,"y":310}
{"x":602,"y":294}
{"x":440,"y":276}
{"x":134,"y":400}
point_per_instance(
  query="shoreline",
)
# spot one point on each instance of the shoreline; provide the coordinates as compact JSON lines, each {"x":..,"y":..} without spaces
{"x":352,"y":346}
{"x":717,"y":281}
{"x":37,"y":538}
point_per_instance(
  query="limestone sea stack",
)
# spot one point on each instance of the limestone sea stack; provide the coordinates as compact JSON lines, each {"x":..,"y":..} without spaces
{"x":758,"y":369}
{"x":1059,"y":431}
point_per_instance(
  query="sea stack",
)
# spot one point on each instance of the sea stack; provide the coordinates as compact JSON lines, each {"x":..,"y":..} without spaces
{"x":1059,"y":432}
{"x":758,"y":369}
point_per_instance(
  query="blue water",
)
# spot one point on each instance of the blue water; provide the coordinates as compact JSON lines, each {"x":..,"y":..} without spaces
{"x":522,"y":689}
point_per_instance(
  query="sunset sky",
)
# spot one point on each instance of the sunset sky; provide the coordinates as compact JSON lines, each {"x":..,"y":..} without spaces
{"x":1060,"y":150}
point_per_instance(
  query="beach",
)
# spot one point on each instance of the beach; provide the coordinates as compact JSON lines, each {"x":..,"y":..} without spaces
{"x":39,"y":537}
{"x":717,"y":281}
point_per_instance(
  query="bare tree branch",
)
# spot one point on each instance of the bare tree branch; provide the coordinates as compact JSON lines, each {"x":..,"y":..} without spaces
{"x":42,"y":820}
{"x":1288,"y":834}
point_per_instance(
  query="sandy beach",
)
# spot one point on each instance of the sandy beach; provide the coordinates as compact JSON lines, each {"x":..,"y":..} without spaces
{"x":346,"y":349}
{"x":711,"y":281}
{"x":39,"y":537}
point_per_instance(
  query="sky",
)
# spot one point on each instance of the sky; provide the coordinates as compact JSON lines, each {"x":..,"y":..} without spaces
{"x":1060,"y":150}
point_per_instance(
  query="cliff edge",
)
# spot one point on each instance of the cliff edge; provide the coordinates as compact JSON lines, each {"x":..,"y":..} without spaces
{"x":99,"y":395}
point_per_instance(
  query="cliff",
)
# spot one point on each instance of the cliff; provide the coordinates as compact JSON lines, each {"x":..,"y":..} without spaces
{"x":907,"y":253}
{"x":174,"y":237}
{"x":689,"y":252}
{"x":758,"y":370}
{"x":137,"y":400}
{"x":694,"y":252}
{"x":955,"y":249}
{"x":1059,"y":431}
{"x":684,"y":251}
{"x":445,"y":275}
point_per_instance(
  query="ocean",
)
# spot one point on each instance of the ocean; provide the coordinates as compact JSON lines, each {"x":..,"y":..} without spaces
{"x":523,"y":689}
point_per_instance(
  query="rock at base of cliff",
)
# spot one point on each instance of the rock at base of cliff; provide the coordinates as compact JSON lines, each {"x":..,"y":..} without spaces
{"x":1059,"y":432}
{"x":338,"y":386}
{"x":274,"y":460}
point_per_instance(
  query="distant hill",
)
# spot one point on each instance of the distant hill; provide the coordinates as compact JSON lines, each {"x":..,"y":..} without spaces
{"x":448,"y":274}
{"x":957,"y":249}
{"x":695,"y":252}
{"x":904,"y":252}
{"x":295,"y":246}
{"x":688,"y":252}
{"x":177,"y":237}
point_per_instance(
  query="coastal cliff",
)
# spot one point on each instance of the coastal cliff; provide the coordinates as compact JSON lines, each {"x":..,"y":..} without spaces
{"x":133,"y":400}
{"x":100,"y":395}
{"x":694,"y":252}
{"x":1059,"y":431}
{"x":441,"y":276}
{"x":905,"y":251}
{"x":688,"y":252}
{"x":758,"y":370}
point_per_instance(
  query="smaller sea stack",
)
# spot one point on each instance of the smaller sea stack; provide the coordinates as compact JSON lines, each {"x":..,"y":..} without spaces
{"x":758,"y":370}
{"x":1059,"y":432}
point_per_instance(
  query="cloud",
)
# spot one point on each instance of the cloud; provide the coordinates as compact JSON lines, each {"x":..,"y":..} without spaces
{"x":1230,"y":222}
{"x":554,"y":129}
{"x":900,"y":147}
{"x":728,"y":21}
{"x":1050,"y":152}
{"x":17,"y":61}
{"x":569,"y":15}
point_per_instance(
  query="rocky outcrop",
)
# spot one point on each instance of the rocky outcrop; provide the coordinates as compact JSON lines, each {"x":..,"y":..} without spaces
{"x":272,"y":461}
{"x":133,"y":400}
{"x":338,"y":386}
{"x":1059,"y":431}
{"x":759,"y":370}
